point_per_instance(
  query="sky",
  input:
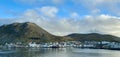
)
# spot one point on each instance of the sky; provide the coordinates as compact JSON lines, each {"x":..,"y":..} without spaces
{"x":63,"y":17}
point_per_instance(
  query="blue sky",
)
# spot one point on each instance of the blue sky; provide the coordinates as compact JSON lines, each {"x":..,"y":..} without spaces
{"x":62,"y":17}
{"x":9,"y":8}
{"x":13,"y":8}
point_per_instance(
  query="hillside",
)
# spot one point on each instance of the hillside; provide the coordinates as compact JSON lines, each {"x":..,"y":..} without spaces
{"x":93,"y":37}
{"x":26,"y":32}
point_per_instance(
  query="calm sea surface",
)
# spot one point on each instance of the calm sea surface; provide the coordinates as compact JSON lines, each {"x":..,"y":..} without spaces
{"x":58,"y":52}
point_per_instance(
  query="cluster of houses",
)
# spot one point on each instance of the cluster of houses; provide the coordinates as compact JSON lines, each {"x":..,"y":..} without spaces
{"x":48,"y":45}
{"x":38,"y":45}
{"x":99,"y":45}
{"x":76,"y":44}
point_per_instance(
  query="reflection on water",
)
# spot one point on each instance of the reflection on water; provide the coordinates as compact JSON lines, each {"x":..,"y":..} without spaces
{"x":58,"y":52}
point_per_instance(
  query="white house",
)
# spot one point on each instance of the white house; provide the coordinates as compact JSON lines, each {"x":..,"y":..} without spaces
{"x":33,"y":44}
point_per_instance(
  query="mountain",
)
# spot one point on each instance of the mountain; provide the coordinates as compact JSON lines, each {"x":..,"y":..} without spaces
{"x":26,"y":32}
{"x":93,"y":37}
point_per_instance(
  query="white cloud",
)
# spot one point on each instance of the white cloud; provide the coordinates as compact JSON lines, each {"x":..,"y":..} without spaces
{"x":48,"y":11}
{"x":6,"y":21}
{"x":105,"y":24}
{"x":95,"y":11}
{"x":109,"y":5}
{"x":75,"y":15}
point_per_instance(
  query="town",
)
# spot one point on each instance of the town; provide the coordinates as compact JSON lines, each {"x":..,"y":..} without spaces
{"x":75,"y":44}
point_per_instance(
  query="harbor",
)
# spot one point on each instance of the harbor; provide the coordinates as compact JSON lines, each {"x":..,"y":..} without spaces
{"x":74,"y":44}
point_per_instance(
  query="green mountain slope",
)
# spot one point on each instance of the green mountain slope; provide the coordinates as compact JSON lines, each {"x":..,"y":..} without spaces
{"x":26,"y":32}
{"x":93,"y":37}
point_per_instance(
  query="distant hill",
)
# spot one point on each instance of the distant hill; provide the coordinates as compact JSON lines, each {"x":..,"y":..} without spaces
{"x":26,"y":32}
{"x":93,"y":37}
